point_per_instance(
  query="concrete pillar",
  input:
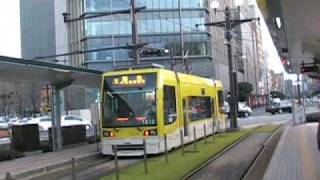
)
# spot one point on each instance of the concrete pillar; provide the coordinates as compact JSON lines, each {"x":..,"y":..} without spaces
{"x":56,"y":119}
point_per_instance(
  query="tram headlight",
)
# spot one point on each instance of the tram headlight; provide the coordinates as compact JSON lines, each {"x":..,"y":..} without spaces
{"x":151,"y":132}
{"x":108,"y":134}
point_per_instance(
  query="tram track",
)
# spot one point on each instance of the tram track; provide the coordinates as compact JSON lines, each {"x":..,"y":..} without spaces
{"x":262,"y":159}
{"x":195,"y":171}
{"x":248,"y":171}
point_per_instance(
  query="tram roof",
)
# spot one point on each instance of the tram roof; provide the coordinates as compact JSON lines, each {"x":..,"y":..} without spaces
{"x":152,"y":69}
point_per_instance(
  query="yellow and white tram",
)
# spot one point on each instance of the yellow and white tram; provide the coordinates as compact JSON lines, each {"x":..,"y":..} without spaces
{"x":149,"y":103}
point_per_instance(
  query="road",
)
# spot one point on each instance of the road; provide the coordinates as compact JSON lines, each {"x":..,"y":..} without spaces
{"x":260,"y":117}
{"x":264,"y":119}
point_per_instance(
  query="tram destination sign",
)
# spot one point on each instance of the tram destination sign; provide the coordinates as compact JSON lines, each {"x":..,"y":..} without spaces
{"x":133,"y":80}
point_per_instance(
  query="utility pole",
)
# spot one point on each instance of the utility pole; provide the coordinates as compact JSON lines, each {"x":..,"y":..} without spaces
{"x":232,"y":74}
{"x":172,"y":63}
{"x":135,"y":38}
{"x":228,"y":25}
{"x":255,"y":56}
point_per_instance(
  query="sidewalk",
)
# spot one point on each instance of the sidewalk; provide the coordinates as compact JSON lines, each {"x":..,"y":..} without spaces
{"x":41,"y":161}
{"x":296,"y":156}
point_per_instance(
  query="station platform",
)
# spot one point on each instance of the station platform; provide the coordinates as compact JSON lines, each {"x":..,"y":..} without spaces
{"x":296,"y":156}
{"x":26,"y":166}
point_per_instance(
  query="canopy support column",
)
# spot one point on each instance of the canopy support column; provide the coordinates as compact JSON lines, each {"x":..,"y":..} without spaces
{"x":56,"y":115}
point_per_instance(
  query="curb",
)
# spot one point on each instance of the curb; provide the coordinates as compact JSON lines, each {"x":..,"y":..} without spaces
{"x":88,"y":159}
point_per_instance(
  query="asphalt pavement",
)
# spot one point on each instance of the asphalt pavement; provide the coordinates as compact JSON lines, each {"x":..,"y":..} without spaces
{"x":260,"y":117}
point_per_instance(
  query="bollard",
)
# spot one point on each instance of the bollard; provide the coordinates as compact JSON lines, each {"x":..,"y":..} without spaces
{"x":166,"y":148}
{"x":145,"y":156}
{"x":12,"y":152}
{"x":205,"y":133}
{"x":114,"y":147}
{"x":73,"y":165}
{"x":96,"y":136}
{"x":8,"y":176}
{"x":181,"y":140}
{"x":194,"y":138}
{"x":213,"y":130}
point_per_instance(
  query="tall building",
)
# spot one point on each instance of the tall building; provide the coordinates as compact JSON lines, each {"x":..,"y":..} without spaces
{"x":158,"y":26}
{"x":37,"y":28}
{"x":277,"y":82}
{"x":253,"y":57}
{"x":43,"y":33}
{"x":288,"y":88}
{"x":219,"y":49}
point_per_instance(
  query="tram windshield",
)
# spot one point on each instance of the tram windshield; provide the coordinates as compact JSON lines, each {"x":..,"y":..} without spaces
{"x":129,"y":101}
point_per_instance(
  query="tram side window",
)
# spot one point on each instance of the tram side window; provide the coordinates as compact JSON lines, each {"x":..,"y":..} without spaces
{"x":169,"y":105}
{"x":200,"y":108}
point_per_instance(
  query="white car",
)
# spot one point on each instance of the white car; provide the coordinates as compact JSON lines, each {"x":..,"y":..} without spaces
{"x":4,"y":123}
{"x":71,"y":120}
{"x":19,"y":121}
{"x":45,"y":122}
{"x":244,"y":110}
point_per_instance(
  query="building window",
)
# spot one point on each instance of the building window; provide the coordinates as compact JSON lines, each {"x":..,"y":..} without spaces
{"x":169,"y":105}
{"x":200,"y":108}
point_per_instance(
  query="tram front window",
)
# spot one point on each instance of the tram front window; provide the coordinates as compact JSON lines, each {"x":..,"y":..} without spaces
{"x":132,"y":108}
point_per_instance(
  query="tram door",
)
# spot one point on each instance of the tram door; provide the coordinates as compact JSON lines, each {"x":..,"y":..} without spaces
{"x":185,"y":117}
{"x":215,"y":114}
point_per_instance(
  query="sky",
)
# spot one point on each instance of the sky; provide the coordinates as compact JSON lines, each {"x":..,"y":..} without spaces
{"x":10,"y":35}
{"x":10,"y":28}
{"x":273,"y":58}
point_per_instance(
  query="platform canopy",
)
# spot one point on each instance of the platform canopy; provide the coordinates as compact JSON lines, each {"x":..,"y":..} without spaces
{"x":295,"y":30}
{"x":31,"y":71}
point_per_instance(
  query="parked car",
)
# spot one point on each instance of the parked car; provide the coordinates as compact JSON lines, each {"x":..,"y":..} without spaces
{"x":4,"y":123}
{"x":12,"y":120}
{"x":70,"y":120}
{"x":279,"y":107}
{"x":21,"y":121}
{"x":244,"y":110}
{"x":45,"y":122}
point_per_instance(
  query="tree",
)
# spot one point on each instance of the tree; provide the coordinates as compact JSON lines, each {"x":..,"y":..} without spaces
{"x":244,"y":90}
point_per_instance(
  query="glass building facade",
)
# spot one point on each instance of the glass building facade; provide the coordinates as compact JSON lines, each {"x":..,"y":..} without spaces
{"x":158,"y":25}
